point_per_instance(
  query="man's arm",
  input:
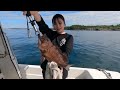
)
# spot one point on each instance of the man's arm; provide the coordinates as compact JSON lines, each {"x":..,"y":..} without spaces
{"x":43,"y":27}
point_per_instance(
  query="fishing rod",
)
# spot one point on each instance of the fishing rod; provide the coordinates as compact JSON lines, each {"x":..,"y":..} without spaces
{"x":32,"y":21}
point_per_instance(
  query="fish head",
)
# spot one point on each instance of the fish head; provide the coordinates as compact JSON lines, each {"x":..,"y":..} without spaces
{"x":45,"y":42}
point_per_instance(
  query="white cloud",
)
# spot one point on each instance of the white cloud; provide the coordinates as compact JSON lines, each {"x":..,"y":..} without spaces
{"x":72,"y":17}
{"x":93,"y":17}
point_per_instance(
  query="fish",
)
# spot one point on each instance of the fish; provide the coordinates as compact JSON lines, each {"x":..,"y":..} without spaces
{"x":52,"y":52}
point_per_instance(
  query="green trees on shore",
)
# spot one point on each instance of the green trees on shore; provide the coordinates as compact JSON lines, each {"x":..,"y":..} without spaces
{"x":95,"y":28}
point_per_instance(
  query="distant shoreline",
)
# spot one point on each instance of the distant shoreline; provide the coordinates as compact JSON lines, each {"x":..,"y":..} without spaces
{"x":94,"y":28}
{"x":87,"y":28}
{"x":67,"y":29}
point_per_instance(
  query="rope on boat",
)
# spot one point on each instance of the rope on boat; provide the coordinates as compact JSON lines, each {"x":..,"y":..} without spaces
{"x":108,"y":75}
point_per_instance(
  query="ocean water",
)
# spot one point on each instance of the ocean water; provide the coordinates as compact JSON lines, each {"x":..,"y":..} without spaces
{"x":92,"y":49}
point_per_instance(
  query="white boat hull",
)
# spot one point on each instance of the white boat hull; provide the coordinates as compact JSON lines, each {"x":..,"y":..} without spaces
{"x":35,"y":72}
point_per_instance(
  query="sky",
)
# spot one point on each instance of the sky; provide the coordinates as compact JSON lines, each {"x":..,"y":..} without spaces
{"x":15,"y":19}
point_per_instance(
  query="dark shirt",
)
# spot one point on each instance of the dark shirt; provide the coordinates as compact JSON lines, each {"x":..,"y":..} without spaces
{"x":63,"y":41}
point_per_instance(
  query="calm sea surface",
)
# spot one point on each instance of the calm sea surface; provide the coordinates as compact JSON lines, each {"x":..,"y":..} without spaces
{"x":92,"y":49}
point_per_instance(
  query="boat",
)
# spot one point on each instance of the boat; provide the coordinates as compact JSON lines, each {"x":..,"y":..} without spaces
{"x":10,"y":69}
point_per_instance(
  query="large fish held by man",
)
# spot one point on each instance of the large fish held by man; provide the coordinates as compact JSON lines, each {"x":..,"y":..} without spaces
{"x":52,"y":52}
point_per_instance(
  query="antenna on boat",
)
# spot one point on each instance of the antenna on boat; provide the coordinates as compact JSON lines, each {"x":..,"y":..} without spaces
{"x":32,"y":21}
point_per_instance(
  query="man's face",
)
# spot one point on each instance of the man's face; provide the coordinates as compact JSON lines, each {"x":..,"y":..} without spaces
{"x":59,"y":25}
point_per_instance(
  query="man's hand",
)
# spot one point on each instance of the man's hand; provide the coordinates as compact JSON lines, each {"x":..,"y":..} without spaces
{"x":35,"y":14}
{"x":31,"y":12}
